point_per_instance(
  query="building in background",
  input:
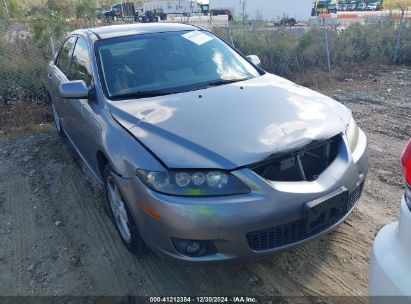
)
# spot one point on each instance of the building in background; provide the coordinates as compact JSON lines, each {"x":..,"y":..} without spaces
{"x":268,"y":10}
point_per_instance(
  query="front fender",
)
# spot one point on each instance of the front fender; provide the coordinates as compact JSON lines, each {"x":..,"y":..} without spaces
{"x":124,"y":152}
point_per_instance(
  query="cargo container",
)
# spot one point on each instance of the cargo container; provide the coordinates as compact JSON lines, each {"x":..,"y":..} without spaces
{"x":268,"y":10}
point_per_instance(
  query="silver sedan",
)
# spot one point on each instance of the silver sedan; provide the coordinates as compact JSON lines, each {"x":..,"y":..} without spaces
{"x":204,"y":157}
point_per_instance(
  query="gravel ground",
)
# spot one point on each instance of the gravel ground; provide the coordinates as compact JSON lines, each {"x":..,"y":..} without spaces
{"x":56,"y":239}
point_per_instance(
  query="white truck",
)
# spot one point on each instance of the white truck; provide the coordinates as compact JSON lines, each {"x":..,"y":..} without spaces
{"x":268,"y":10}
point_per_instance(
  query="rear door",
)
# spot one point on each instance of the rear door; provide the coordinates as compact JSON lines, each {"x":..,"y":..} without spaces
{"x":59,"y":74}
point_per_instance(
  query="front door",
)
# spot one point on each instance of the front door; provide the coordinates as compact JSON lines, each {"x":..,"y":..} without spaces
{"x":58,"y":75}
{"x":83,"y":113}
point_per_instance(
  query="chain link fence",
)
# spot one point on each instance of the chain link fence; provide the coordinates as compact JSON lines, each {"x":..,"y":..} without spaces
{"x":22,"y":65}
{"x":287,"y":51}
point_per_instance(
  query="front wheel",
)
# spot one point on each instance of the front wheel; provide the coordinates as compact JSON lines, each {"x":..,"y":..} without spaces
{"x":118,"y":211}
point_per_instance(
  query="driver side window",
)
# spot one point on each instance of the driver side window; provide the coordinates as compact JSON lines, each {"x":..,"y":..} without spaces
{"x":80,"y":63}
{"x":65,"y":53}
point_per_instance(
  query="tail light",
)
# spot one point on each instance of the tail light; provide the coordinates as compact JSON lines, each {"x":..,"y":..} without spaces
{"x":406,"y":164}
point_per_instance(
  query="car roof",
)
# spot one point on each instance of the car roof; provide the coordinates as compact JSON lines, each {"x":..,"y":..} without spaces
{"x":111,"y":31}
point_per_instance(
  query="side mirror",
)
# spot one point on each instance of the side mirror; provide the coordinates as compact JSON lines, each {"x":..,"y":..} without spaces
{"x":254,"y":59}
{"x":74,"y":90}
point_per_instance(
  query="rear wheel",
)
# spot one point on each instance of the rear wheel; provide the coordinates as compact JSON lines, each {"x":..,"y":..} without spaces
{"x":118,"y":211}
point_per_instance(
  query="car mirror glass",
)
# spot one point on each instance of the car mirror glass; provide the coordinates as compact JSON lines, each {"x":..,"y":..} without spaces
{"x":74,"y":90}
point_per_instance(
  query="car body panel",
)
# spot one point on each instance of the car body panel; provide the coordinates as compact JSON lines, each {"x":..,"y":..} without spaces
{"x":240,"y":123}
{"x":391,"y":262}
{"x":105,"y":32}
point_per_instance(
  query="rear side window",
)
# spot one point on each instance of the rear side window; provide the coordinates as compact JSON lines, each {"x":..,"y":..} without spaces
{"x":80,"y":63}
{"x":65,"y":53}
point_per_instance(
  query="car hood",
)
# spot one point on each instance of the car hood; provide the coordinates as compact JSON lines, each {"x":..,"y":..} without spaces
{"x":233,"y":125}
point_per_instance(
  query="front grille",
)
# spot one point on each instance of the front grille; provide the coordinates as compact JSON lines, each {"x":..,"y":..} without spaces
{"x":293,"y":232}
{"x":305,"y":163}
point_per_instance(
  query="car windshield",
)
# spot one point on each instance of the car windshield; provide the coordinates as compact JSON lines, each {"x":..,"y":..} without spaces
{"x":166,"y":63}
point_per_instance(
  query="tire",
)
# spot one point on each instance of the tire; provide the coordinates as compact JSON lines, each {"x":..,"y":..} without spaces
{"x":155,"y":19}
{"x":57,"y":121}
{"x":118,"y":211}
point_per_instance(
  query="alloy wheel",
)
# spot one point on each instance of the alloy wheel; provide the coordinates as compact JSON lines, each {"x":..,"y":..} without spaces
{"x":118,"y":209}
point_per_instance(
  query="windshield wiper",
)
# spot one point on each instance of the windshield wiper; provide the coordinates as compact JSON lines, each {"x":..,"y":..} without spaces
{"x":225,"y":81}
{"x":141,"y":94}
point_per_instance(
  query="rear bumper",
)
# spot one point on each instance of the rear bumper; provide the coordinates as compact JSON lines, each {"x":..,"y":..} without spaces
{"x":273,"y":208}
{"x":391,"y":261}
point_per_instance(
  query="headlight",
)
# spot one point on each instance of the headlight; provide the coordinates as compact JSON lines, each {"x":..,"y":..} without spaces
{"x":352,"y":133}
{"x":193,"y":183}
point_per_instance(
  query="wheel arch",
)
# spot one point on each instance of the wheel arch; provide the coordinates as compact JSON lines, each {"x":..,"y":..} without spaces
{"x":102,"y":162}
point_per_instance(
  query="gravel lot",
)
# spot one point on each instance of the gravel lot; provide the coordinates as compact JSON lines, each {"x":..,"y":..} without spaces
{"x":56,"y":239}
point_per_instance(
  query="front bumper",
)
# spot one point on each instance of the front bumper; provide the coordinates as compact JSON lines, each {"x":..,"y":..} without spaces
{"x":391,"y":261}
{"x":229,"y":221}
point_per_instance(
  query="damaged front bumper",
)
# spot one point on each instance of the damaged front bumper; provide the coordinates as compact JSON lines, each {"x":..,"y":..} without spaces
{"x":248,"y":226}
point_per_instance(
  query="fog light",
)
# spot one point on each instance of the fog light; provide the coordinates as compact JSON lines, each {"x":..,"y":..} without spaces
{"x":194,"y":248}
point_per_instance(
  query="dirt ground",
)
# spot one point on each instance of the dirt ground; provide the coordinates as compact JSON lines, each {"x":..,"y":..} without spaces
{"x":56,"y":239}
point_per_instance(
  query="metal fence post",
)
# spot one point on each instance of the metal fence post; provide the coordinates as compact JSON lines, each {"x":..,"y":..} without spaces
{"x":7,"y":10}
{"x":327,"y":48}
{"x":230,"y":36}
{"x":53,"y":53}
{"x":397,"y":48}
